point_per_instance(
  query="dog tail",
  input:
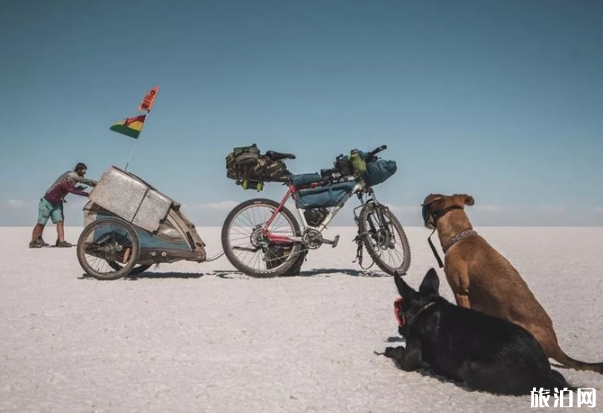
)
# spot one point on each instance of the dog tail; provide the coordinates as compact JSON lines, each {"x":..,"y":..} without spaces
{"x":568,"y":362}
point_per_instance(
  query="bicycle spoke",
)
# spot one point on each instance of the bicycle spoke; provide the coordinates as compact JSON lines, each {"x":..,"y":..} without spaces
{"x":248,"y":239}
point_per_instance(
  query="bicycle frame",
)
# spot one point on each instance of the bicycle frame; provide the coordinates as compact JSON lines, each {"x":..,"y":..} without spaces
{"x":360,"y":189}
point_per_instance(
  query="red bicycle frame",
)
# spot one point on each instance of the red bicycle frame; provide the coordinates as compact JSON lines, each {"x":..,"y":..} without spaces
{"x":282,"y":239}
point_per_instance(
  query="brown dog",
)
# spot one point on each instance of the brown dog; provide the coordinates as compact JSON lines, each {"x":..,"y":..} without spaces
{"x":484,"y":280}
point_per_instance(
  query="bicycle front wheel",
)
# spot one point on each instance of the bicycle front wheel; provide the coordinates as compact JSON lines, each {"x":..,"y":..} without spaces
{"x":248,"y":247}
{"x":385,"y":242}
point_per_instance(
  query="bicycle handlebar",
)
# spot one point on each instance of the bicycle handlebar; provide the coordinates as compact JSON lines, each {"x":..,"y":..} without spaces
{"x":376,"y":151}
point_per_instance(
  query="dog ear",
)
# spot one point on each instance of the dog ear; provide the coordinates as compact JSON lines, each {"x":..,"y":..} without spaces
{"x":431,"y":198}
{"x":404,"y":289}
{"x":431,"y":283}
{"x":464,"y":199}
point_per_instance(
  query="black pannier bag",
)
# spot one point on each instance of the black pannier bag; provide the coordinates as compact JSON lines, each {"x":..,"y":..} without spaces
{"x":343,"y":165}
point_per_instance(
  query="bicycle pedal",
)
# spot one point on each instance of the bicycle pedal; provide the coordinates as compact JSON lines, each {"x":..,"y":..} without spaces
{"x":332,"y":243}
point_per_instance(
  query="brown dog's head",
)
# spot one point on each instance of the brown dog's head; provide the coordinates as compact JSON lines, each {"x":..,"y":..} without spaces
{"x":437,"y":205}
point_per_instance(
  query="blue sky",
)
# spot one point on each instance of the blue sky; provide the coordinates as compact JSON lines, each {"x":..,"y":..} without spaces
{"x":502,"y":100}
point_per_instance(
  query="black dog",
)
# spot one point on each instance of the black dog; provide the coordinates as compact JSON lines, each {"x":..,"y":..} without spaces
{"x":484,"y":352}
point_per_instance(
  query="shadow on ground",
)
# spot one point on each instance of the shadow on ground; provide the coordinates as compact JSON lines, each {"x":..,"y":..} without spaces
{"x":346,"y":271}
{"x":233,"y":274}
{"x":151,"y":275}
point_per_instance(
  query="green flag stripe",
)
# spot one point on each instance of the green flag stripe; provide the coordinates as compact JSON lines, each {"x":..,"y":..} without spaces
{"x":132,"y":133}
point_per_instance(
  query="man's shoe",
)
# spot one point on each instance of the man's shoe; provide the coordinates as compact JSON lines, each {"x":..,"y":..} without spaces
{"x":34,"y":244}
{"x":63,"y":244}
{"x":40,"y":241}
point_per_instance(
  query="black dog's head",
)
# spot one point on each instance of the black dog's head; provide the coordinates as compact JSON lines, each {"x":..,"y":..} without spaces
{"x":411,"y":301}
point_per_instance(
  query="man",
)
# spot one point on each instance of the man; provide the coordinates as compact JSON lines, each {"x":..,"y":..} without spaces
{"x":51,"y":205}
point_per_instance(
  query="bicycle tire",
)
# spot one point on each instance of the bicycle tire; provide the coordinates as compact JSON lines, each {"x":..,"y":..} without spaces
{"x":254,"y":248}
{"x":378,"y":242}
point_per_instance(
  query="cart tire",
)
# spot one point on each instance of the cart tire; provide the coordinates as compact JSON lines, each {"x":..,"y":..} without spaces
{"x":106,"y":241}
{"x":139,"y":269}
{"x":260,"y":261}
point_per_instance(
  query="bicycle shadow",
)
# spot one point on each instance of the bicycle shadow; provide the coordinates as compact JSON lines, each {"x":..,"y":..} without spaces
{"x":345,"y":271}
{"x":233,"y":274}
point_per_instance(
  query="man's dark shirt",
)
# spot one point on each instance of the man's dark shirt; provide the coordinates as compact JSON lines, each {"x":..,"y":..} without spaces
{"x":59,"y":191}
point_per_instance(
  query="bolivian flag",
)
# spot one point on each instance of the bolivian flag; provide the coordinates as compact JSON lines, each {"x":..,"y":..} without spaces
{"x":130,"y":126}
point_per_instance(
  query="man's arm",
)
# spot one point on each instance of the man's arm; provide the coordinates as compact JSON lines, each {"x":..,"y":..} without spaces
{"x":81,"y":179}
{"x":68,"y":186}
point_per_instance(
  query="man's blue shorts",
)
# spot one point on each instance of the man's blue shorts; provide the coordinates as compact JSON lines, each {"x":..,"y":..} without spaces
{"x":47,"y":210}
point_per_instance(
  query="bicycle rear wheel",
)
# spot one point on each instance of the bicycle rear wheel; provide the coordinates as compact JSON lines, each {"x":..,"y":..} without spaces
{"x":246,"y":245}
{"x":386,"y":243}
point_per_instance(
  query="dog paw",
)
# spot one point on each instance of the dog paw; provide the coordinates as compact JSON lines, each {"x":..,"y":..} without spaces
{"x":395,"y":352}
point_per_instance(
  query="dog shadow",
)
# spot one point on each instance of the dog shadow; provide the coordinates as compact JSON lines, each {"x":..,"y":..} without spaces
{"x":426,"y":371}
{"x":396,"y":339}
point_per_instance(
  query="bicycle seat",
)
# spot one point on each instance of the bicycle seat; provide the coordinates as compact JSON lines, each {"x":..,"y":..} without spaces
{"x":277,"y":156}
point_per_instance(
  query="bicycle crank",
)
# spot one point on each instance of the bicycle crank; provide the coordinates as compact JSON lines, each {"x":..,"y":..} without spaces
{"x":313,"y":239}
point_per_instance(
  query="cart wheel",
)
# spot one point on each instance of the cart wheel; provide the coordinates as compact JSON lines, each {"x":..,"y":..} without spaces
{"x":105,"y":242}
{"x":138,"y":269}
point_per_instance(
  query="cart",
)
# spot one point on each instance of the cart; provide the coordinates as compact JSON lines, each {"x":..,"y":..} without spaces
{"x":129,"y":226}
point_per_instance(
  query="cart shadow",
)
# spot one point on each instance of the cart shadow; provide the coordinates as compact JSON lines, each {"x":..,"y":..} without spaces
{"x":171,"y":274}
{"x":153,"y":275}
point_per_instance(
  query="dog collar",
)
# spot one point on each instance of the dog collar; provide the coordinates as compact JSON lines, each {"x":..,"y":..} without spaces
{"x":436,"y":214}
{"x":425,"y":307}
{"x":402,"y":317}
{"x":458,"y":237}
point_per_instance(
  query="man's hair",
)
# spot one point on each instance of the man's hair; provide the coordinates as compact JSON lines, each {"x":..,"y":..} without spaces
{"x":80,"y":166}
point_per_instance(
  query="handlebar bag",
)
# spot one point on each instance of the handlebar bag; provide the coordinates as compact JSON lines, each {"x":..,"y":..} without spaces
{"x":324,"y":196}
{"x":379,"y":171}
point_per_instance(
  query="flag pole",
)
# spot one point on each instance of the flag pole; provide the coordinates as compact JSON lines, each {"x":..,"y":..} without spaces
{"x":131,"y":153}
{"x":134,"y":147}
{"x":145,"y":105}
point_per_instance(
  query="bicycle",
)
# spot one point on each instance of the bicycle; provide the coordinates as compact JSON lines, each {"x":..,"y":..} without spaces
{"x":262,"y":238}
